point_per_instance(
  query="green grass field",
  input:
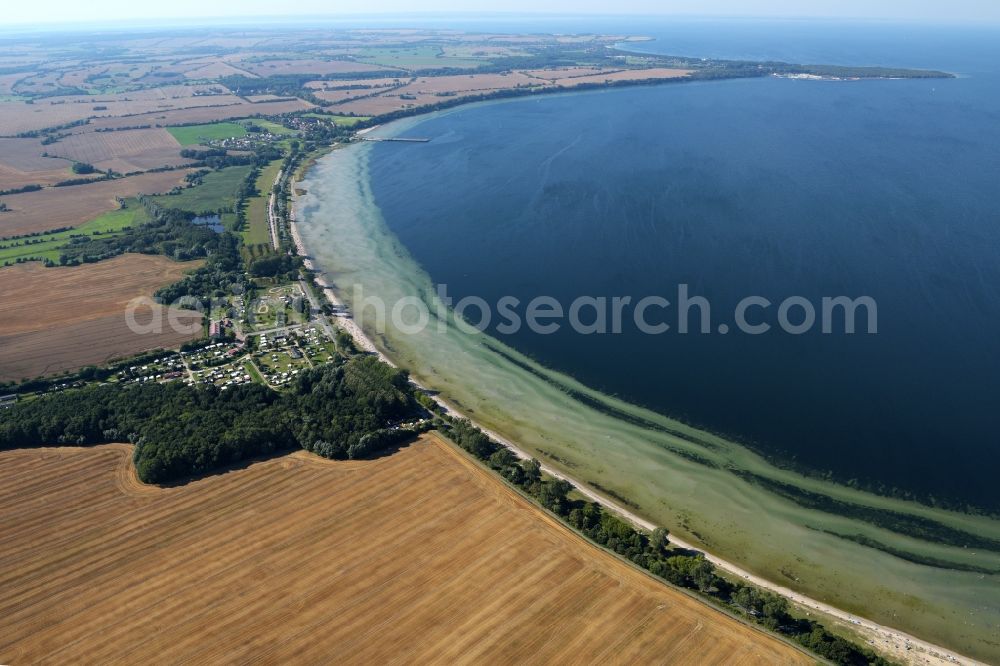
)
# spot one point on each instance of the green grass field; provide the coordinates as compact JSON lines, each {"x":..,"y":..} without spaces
{"x":217,"y":192}
{"x":416,"y":57}
{"x":195,"y":134}
{"x":257,"y":231}
{"x":228,"y":221}
{"x":48,"y":246}
{"x":252,"y":371}
{"x":272,"y":127}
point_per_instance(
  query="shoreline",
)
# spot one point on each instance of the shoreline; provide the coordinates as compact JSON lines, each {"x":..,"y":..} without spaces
{"x":889,"y":641}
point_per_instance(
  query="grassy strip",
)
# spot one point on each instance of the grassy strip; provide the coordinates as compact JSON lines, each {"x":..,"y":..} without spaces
{"x":417,"y":57}
{"x":191,"y":135}
{"x":251,"y":370}
{"x":216,"y":193}
{"x":47,"y":246}
{"x":343,"y":121}
{"x":257,"y":231}
{"x":272,"y":127}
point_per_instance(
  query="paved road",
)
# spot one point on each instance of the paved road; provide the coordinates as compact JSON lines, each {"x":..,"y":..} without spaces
{"x":272,"y":222}
{"x":315,"y":304}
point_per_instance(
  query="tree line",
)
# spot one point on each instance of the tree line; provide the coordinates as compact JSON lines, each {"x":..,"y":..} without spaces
{"x":342,"y":410}
{"x":652,"y":551}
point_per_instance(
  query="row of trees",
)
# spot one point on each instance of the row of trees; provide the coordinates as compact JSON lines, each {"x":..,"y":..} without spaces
{"x":652,"y":552}
{"x":21,"y":190}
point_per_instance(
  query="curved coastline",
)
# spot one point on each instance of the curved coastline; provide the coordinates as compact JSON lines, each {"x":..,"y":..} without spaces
{"x":650,"y":468}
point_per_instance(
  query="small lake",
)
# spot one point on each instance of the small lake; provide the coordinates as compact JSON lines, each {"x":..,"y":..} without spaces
{"x":213,"y":222}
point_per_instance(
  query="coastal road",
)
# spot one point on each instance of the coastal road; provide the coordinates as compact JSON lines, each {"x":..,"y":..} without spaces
{"x":272,"y":222}
{"x":323,"y":320}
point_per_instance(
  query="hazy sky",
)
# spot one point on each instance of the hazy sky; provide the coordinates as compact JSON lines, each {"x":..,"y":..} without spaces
{"x":22,"y":11}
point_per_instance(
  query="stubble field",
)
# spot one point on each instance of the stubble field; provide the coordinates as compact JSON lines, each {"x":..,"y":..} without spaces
{"x":427,"y":91}
{"x":55,"y":319}
{"x":22,"y":163}
{"x":125,"y":151}
{"x":57,"y":207}
{"x":301,"y":559}
{"x":201,"y":114}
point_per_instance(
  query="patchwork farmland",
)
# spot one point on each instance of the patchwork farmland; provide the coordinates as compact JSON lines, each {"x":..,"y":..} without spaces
{"x":54,"y":208}
{"x":124,"y":152}
{"x":426,"y":91}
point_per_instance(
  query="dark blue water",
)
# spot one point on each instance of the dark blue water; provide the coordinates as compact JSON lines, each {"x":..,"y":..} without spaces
{"x":757,"y":187}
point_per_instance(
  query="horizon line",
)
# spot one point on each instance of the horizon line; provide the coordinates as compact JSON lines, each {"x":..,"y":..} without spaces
{"x":256,"y":20}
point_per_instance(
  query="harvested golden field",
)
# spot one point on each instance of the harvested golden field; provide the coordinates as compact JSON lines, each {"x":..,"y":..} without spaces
{"x":563,"y":72}
{"x":36,"y":297}
{"x":11,"y":179}
{"x":215,"y":70}
{"x":356,"y":83}
{"x":625,"y":75}
{"x":419,"y":557}
{"x":91,"y":342}
{"x":430,"y":90}
{"x":54,"y":319}
{"x":7,"y":82}
{"x":338,"y":96}
{"x":469,"y":83}
{"x":21,"y":163}
{"x":204,"y":114}
{"x":257,"y":99}
{"x":193,"y":95}
{"x":201,"y":94}
{"x":57,"y":207}
{"x":17,"y":117}
{"x":124,"y":151}
{"x":375,"y":106}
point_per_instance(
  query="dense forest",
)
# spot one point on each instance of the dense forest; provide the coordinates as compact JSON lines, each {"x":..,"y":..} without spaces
{"x":343,"y":410}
